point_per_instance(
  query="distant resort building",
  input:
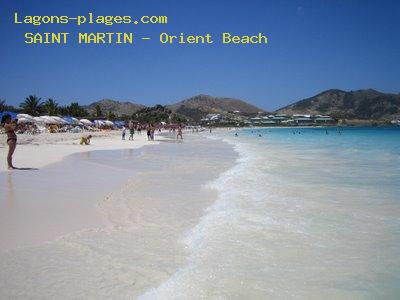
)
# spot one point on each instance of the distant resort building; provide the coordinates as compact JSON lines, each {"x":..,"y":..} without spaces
{"x":395,"y":122}
{"x":266,"y":120}
{"x":324,"y":119}
{"x":293,"y":120}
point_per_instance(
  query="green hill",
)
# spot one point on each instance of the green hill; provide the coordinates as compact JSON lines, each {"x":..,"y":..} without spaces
{"x":361,"y":104}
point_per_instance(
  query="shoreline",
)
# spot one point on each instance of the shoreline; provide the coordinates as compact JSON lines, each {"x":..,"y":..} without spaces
{"x":285,"y":220}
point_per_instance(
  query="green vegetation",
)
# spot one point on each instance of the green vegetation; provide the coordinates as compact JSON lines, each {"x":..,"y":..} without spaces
{"x":157,"y":114}
{"x":111,"y":116}
{"x":32,"y":106}
{"x":51,"y":107}
{"x":99,"y":112}
{"x":3,"y":105}
{"x":74,"y":110}
{"x":362,"y":104}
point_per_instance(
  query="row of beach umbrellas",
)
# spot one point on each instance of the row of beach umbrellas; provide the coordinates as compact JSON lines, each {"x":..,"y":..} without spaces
{"x":25,"y":118}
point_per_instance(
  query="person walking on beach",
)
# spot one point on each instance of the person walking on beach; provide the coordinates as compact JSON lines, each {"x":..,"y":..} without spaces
{"x":9,"y":126}
{"x":148,"y":132}
{"x":179,"y":133}
{"x":131,"y":132}
{"x":123,"y":133}
{"x":152,"y":130}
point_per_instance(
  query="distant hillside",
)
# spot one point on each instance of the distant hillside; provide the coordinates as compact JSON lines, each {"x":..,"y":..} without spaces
{"x":361,"y":104}
{"x":117,"y":107}
{"x":198,"y":106}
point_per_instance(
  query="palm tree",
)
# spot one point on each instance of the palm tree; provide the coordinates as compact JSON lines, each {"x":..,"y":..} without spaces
{"x":3,"y":105}
{"x":76,"y":110}
{"x":99,"y":112}
{"x":31,"y":105}
{"x":51,"y":107}
{"x":111,"y":116}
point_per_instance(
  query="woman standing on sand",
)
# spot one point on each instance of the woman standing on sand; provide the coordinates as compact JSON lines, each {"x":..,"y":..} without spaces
{"x":9,"y":126}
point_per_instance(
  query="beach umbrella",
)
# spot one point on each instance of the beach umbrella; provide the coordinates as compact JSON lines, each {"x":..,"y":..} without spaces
{"x":119,"y":123}
{"x":25,"y":116}
{"x":68,"y":120}
{"x":12,"y":114}
{"x":39,"y":120}
{"x":46,"y":119}
{"x":72,"y":120}
{"x":51,"y":120}
{"x":25,"y":120}
{"x":59,"y":120}
{"x":75,"y":120}
{"x":86,"y":122}
{"x":99,"y":123}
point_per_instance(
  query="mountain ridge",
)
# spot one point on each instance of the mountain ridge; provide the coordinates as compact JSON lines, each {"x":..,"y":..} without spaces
{"x":194,"y":107}
{"x":358,"y":104}
{"x":340,"y":104}
{"x":197,"y":106}
{"x":115,"y":106}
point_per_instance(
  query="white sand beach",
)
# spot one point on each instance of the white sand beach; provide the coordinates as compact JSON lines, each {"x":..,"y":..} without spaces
{"x":35,"y":215}
{"x":37,"y":151}
{"x":102,"y":221}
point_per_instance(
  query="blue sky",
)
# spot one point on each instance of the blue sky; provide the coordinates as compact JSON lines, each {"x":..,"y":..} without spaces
{"x":313,"y":46}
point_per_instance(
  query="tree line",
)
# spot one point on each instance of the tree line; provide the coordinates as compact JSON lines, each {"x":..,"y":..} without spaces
{"x":34,"y":106}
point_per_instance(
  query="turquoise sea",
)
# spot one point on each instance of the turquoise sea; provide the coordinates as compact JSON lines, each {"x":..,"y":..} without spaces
{"x":306,"y":213}
{"x":303,"y":213}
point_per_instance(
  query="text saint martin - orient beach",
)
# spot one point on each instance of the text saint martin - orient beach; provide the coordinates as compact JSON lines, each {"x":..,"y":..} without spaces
{"x":123,"y":37}
{"x":127,"y":38}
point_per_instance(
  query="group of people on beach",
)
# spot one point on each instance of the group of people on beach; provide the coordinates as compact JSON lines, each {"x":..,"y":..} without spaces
{"x":150,"y":131}
{"x":11,"y":125}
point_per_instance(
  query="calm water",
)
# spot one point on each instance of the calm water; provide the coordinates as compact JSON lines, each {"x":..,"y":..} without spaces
{"x":305,"y":214}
